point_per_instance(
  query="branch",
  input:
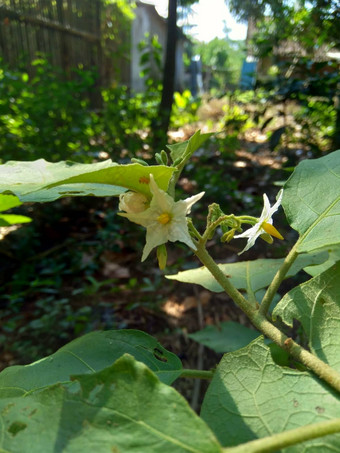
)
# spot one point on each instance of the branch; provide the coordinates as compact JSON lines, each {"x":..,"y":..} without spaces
{"x":277,"y":280}
{"x":287,"y":438}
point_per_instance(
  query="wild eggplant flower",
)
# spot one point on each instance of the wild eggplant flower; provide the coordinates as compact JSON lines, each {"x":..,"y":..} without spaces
{"x":264,"y":226}
{"x":164,"y":219}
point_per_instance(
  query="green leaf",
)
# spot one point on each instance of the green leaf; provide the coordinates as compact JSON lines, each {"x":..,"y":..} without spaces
{"x":248,"y":275}
{"x":228,"y":336}
{"x":12,"y":219}
{"x":45,"y":181}
{"x":333,"y":257}
{"x":9,"y":202}
{"x":73,"y":190}
{"x":123,"y":408}
{"x":311,"y":200}
{"x":88,"y":354}
{"x":184,"y":150}
{"x":316,"y":304}
{"x":251,"y":397}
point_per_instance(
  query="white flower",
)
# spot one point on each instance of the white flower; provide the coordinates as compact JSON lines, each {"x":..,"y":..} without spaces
{"x":164,"y":220}
{"x":264,"y":226}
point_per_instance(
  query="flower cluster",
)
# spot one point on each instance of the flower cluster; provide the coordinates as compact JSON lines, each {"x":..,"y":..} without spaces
{"x":166,"y":219}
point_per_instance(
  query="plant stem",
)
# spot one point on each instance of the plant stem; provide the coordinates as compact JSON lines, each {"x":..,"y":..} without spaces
{"x":287,"y":438}
{"x":277,"y":280}
{"x":198,"y":374}
{"x":172,"y":184}
{"x":311,"y":361}
{"x":228,"y":287}
{"x":259,"y":320}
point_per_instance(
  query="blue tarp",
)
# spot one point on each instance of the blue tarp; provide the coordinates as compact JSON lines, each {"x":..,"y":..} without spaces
{"x":248,"y":75}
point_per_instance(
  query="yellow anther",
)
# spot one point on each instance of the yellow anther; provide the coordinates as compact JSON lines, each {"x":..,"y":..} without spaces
{"x":164,"y":218}
{"x":270,"y":229}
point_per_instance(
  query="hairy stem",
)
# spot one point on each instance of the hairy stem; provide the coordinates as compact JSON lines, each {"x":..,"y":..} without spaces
{"x":277,"y":280}
{"x":287,"y":438}
{"x":228,"y":287}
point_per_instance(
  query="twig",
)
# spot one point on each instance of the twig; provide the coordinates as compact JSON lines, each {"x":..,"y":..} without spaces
{"x":200,"y":351}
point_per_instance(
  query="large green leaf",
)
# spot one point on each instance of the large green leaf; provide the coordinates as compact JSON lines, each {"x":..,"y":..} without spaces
{"x":45,"y":181}
{"x":227,"y":336}
{"x":72,"y":190}
{"x":123,"y":408}
{"x":251,"y":397}
{"x":311,"y":200}
{"x":88,"y":354}
{"x":248,"y":275}
{"x":316,"y":304}
{"x":184,"y":150}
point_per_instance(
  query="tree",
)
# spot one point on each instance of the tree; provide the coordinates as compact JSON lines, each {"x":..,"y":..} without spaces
{"x":311,"y":25}
{"x":224,"y":57}
{"x":161,"y":123}
{"x":312,"y":20}
{"x":165,"y":106}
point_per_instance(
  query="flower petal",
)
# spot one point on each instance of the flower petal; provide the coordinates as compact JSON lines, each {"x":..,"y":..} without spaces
{"x":155,"y":236}
{"x":248,"y":233}
{"x":276,"y":206}
{"x":266,"y":204}
{"x":179,"y":232}
{"x":160,"y":200}
{"x":142,"y":218}
{"x":252,"y":234}
{"x":192,"y":200}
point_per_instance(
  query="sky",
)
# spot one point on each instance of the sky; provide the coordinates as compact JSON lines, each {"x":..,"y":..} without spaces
{"x":210,"y":17}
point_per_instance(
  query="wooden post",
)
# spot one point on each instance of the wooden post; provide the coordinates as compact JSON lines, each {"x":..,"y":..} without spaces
{"x":64,"y":48}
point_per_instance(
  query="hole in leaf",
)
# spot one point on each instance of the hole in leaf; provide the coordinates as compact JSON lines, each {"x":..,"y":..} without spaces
{"x":16,"y":427}
{"x":159,"y":355}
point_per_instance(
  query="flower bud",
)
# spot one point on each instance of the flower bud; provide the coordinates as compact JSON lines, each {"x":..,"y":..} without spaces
{"x":133,"y":202}
{"x":162,"y":256}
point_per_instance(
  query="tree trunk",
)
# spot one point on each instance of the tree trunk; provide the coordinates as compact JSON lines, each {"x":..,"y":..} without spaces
{"x":162,"y":122}
{"x":336,"y":135}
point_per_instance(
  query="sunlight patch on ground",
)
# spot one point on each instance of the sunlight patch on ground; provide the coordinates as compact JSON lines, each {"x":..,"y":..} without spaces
{"x":4,"y":231}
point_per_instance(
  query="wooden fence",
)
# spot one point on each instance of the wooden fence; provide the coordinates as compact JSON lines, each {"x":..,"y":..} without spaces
{"x":69,"y":33}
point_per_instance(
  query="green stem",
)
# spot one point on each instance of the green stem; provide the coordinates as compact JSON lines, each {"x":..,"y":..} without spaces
{"x":193,"y":230}
{"x":320,"y":368}
{"x":260,"y":321}
{"x":287,"y":438}
{"x":277,"y":280}
{"x":198,"y":374}
{"x":213,"y":225}
{"x":228,"y":287}
{"x":172,"y":184}
{"x":247,"y":219}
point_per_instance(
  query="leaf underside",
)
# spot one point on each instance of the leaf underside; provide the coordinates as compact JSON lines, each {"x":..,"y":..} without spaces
{"x":123,"y":408}
{"x":41,"y":181}
{"x":248,"y":275}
